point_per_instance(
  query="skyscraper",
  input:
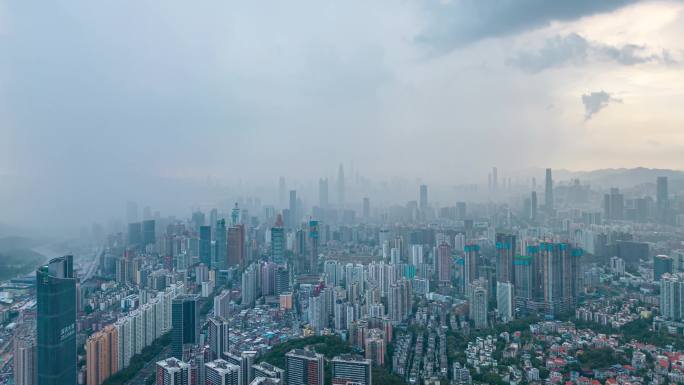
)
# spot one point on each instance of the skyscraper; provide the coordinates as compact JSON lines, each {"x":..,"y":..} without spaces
{"x":495,"y":179}
{"x":314,"y":239}
{"x":205,"y":245}
{"x":533,"y":206}
{"x":56,"y":322}
{"x":135,"y":234}
{"x":236,"y":246}
{"x":185,"y":323}
{"x":148,"y":232}
{"x":294,"y":210}
{"x":366,"y":208}
{"x":323,"y":193}
{"x":423,"y":197}
{"x":221,"y":246}
{"x":548,"y":193}
{"x":662,"y":199}
{"x":304,"y":367}
{"x":278,"y":241}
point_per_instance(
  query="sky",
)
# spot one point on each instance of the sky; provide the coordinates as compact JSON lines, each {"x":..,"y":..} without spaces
{"x":108,"y":101}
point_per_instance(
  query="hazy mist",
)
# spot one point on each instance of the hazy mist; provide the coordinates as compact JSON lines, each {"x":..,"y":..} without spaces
{"x":179,"y":105}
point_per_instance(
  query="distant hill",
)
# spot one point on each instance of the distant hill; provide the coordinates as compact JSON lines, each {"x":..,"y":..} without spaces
{"x":620,"y":177}
{"x":17,"y":257}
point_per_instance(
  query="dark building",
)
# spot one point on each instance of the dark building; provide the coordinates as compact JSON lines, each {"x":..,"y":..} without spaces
{"x":56,"y":322}
{"x":135,"y":236}
{"x":205,"y":245}
{"x":278,"y":241}
{"x":221,"y":247}
{"x":184,"y":323}
{"x":661,"y":264}
{"x":148,"y":232}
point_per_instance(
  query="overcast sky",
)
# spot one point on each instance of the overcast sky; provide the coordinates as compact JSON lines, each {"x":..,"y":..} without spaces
{"x":100,"y":100}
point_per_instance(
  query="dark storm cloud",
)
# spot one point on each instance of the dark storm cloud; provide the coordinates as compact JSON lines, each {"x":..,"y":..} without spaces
{"x":457,"y":23}
{"x":596,"y":101}
{"x":573,"y":49}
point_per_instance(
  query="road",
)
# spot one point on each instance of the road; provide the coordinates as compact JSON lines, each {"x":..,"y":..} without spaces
{"x":149,"y":367}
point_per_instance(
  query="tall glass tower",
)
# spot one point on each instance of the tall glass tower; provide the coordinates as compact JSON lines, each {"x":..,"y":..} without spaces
{"x":56,"y":322}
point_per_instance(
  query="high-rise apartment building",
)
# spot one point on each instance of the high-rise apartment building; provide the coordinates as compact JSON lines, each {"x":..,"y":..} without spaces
{"x":236,"y":246}
{"x":478,"y":305}
{"x":444,"y":262}
{"x":504,"y":301}
{"x":217,"y":335}
{"x":24,"y":357}
{"x":102,"y":358}
{"x":350,"y":368}
{"x":173,"y":371}
{"x":304,"y":367}
{"x":505,"y":251}
{"x":221,"y":372}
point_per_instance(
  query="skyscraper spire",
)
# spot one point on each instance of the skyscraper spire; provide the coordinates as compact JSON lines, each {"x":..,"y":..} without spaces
{"x":235,"y":215}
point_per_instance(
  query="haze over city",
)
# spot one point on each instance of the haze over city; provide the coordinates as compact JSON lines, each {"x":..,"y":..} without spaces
{"x":156,"y":102}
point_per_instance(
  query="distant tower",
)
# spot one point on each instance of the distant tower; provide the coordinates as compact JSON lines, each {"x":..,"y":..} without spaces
{"x":293,"y":213}
{"x":495,"y":179}
{"x":235,"y":215}
{"x":548,"y":192}
{"x":423,"y":197}
{"x":533,"y":206}
{"x":282,"y":191}
{"x":366,"y":208}
{"x":221,"y":247}
{"x":323,"y":193}
{"x":340,"y":187}
{"x":662,"y":199}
